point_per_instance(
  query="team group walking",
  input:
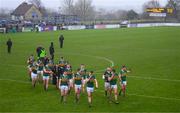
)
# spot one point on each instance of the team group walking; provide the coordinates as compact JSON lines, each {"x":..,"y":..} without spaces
{"x":80,"y":80}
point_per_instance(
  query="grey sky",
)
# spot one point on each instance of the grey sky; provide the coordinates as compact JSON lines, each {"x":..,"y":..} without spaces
{"x":107,"y":4}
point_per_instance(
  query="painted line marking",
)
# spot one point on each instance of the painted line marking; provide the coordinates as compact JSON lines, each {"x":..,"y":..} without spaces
{"x":148,"y":78}
{"x":139,"y":95}
{"x":19,"y":81}
{"x":155,"y":97}
{"x":112,"y":64}
{"x":151,"y":78}
{"x":97,"y":57}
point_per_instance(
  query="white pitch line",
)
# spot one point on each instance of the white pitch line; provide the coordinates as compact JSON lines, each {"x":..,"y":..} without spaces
{"x":97,"y":57}
{"x":139,"y":95}
{"x":150,"y":78}
{"x":11,"y":80}
{"x":148,"y":96}
{"x":13,"y":65}
{"x":112,"y":64}
{"x":154,"y":97}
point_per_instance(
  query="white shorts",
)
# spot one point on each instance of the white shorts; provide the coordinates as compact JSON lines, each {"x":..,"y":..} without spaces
{"x":33,"y":76}
{"x":107,"y":85}
{"x":124,"y":83}
{"x":78,"y":87}
{"x":63,"y":87}
{"x":45,"y":77}
{"x":90,"y":89}
{"x":114,"y":86}
{"x":40,"y":72}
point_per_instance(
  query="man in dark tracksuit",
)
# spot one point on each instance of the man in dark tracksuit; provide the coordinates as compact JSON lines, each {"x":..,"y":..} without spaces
{"x":61,"y":40}
{"x":38,"y":50}
{"x":51,"y":51}
{"x":9,"y":45}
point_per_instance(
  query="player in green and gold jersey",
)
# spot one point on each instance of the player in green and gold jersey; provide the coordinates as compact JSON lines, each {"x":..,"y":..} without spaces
{"x":46,"y":74}
{"x":68,"y":69}
{"x":77,"y":84}
{"x":64,"y":86}
{"x":113,"y":85}
{"x":33,"y":71}
{"x":123,"y":76}
{"x":84,"y":75}
{"x":90,"y":81}
{"x":40,"y":69}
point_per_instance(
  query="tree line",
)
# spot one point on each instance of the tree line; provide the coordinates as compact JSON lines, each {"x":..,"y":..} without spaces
{"x":85,"y":10}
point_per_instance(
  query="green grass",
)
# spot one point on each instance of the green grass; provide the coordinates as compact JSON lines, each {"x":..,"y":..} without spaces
{"x":152,"y":53}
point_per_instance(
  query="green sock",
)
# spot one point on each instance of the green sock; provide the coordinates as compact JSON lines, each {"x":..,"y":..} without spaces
{"x":61,"y":98}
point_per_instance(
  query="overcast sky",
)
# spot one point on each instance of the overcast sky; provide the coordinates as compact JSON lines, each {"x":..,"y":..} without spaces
{"x":107,"y":4}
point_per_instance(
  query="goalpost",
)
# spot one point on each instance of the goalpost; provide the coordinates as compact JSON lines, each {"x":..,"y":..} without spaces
{"x":3,"y":30}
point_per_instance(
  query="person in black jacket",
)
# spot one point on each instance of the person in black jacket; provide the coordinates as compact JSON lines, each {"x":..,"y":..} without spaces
{"x":9,"y":45}
{"x":51,"y":51}
{"x":61,"y":41}
{"x":38,"y":51}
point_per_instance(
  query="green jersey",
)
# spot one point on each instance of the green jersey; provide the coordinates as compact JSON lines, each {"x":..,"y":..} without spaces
{"x":123,"y":75}
{"x":114,"y":79}
{"x":64,"y":80}
{"x":90,"y":83}
{"x":69,"y":73}
{"x":84,"y":76}
{"x":78,"y":79}
{"x":46,"y":73}
{"x":40,"y":67}
{"x":50,"y":66}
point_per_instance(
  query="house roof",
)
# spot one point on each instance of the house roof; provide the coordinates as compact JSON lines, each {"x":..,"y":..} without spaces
{"x":22,"y":9}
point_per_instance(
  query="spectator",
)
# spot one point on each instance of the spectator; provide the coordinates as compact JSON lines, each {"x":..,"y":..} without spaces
{"x":51,"y":51}
{"x":61,"y":41}
{"x":9,"y":45}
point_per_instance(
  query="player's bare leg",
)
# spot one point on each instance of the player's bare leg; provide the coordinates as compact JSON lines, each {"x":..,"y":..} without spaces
{"x":116,"y":95}
{"x":65,"y":95}
{"x":124,"y":90}
{"x":90,"y":99}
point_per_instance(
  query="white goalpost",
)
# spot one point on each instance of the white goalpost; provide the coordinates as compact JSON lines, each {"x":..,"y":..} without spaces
{"x":3,"y":30}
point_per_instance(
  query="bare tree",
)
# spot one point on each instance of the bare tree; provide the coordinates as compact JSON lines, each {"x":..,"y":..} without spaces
{"x":84,"y":9}
{"x":149,"y":4}
{"x":68,"y":6}
{"x":175,"y":5}
{"x":110,"y":16}
{"x":121,"y":14}
{"x":4,"y":13}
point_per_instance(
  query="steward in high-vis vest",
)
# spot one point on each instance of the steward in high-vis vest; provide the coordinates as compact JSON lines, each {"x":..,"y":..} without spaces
{"x":42,"y":55}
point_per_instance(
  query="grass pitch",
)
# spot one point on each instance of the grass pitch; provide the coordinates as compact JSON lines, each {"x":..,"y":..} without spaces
{"x":152,"y":53}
